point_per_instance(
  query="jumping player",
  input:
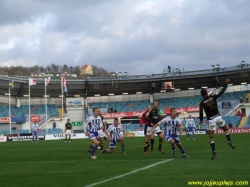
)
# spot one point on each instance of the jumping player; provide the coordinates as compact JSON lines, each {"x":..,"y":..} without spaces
{"x":145,"y":127}
{"x":68,"y":130}
{"x":95,"y":123}
{"x":190,"y":126}
{"x":113,"y":133}
{"x":152,"y":119}
{"x":171,"y":124}
{"x":35,"y":129}
{"x":209,"y":104}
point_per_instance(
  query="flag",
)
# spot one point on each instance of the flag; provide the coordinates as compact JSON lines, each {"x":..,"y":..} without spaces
{"x":11,"y":84}
{"x":47,"y":81}
{"x":64,"y":85}
{"x":32,"y":81}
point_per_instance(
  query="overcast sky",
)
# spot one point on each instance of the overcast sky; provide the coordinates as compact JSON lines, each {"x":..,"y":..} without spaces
{"x":137,"y":36}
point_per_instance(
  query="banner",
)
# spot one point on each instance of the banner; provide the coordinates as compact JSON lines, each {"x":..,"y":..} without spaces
{"x":2,"y":138}
{"x":23,"y":137}
{"x":36,"y":118}
{"x":62,"y":136}
{"x":122,"y":114}
{"x":234,"y":130}
{"x":77,"y":123}
{"x":4,"y":120}
{"x":226,"y":105}
{"x":184,"y":109}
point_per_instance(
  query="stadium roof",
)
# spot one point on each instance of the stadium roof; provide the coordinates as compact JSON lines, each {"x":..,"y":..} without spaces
{"x":117,"y":85}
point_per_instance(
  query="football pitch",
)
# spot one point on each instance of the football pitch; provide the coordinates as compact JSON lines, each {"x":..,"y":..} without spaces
{"x":55,"y":163}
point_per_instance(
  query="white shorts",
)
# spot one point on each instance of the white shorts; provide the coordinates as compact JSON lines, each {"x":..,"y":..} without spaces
{"x":101,"y":133}
{"x":68,"y":132}
{"x":216,"y":121}
{"x":155,"y":131}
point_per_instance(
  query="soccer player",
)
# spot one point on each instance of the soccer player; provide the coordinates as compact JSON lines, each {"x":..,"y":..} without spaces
{"x":190,"y":126}
{"x":152,"y":118}
{"x":35,"y":129}
{"x":209,"y":104}
{"x":145,"y":127}
{"x":95,"y":124}
{"x":113,"y":133}
{"x":171,"y":124}
{"x":101,"y":134}
{"x":68,"y":130}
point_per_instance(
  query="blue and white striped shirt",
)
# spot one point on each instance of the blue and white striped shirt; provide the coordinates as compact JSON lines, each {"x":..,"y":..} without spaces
{"x":171,"y":125}
{"x":95,"y":124}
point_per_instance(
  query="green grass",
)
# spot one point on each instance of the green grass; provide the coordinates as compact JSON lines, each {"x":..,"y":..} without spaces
{"x":54,"y":163}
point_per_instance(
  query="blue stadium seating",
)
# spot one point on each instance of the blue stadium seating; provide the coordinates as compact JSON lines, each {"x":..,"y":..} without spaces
{"x":127,"y":106}
{"x":15,"y":111}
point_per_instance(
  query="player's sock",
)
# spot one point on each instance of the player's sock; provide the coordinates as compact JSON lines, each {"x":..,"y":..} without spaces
{"x":105,"y":150}
{"x":101,"y":145}
{"x":174,"y":150}
{"x":33,"y":139}
{"x":227,"y":134}
{"x":160,"y":144}
{"x":146,"y":145}
{"x":188,"y":135}
{"x":90,"y":146}
{"x":212,"y":144}
{"x":94,"y":148}
{"x":182,"y":150}
{"x":36,"y":138}
{"x":123,"y":147}
{"x":194,"y":136}
{"x":152,"y":141}
{"x":69,"y":138}
{"x":65,"y":139}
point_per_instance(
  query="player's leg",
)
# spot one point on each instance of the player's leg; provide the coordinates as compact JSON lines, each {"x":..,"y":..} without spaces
{"x":172,"y":142}
{"x":33,"y":138}
{"x":121,"y":139}
{"x":90,"y":146}
{"x":227,"y":133}
{"x":147,"y":137}
{"x":157,"y":130}
{"x":152,"y":141}
{"x":193,"y":135}
{"x":69,"y":135}
{"x":211,"y":129}
{"x":182,"y":150}
{"x":212,"y":143}
{"x":101,"y":144}
{"x":36,"y":137}
{"x":66,"y":136}
{"x":94,"y":147}
{"x":188,"y":134}
{"x":112,"y":145}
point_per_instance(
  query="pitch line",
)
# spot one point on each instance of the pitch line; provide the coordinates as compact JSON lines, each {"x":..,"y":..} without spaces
{"x":131,"y":172}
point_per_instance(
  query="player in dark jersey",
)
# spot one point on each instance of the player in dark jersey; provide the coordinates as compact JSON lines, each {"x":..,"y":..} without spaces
{"x":145,"y":127}
{"x":68,"y":130}
{"x":152,"y":118}
{"x":209,"y":104}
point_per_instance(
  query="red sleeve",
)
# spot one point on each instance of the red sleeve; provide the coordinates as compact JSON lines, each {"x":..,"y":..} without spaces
{"x":180,"y":125}
{"x":142,"y":120}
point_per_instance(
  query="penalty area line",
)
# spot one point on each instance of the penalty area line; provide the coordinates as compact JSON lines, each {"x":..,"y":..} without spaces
{"x":129,"y":173}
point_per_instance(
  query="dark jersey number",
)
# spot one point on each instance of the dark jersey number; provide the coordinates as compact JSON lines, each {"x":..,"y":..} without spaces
{"x":212,"y":105}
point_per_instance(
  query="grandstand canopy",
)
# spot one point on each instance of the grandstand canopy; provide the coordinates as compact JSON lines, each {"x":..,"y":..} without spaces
{"x":128,"y":84}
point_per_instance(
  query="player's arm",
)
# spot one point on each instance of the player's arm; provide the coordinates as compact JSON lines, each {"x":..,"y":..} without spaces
{"x":84,"y":126}
{"x":142,"y":121}
{"x":180,"y":132}
{"x":223,"y":90}
{"x":187,"y":124}
{"x":201,"y":112}
{"x":156,"y":125}
{"x":107,"y":133}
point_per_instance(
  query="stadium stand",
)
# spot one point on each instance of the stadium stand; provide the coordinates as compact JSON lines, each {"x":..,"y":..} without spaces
{"x":40,"y":109}
{"x":15,"y":111}
{"x":128,"y":106}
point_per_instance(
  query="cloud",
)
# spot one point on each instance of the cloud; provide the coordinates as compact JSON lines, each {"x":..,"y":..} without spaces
{"x":140,"y":37}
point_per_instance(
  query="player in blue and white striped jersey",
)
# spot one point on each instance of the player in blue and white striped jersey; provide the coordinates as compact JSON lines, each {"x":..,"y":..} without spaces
{"x":190,"y":127}
{"x":35,"y":129}
{"x":114,"y":134}
{"x":172,"y":124}
{"x":94,"y":123}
